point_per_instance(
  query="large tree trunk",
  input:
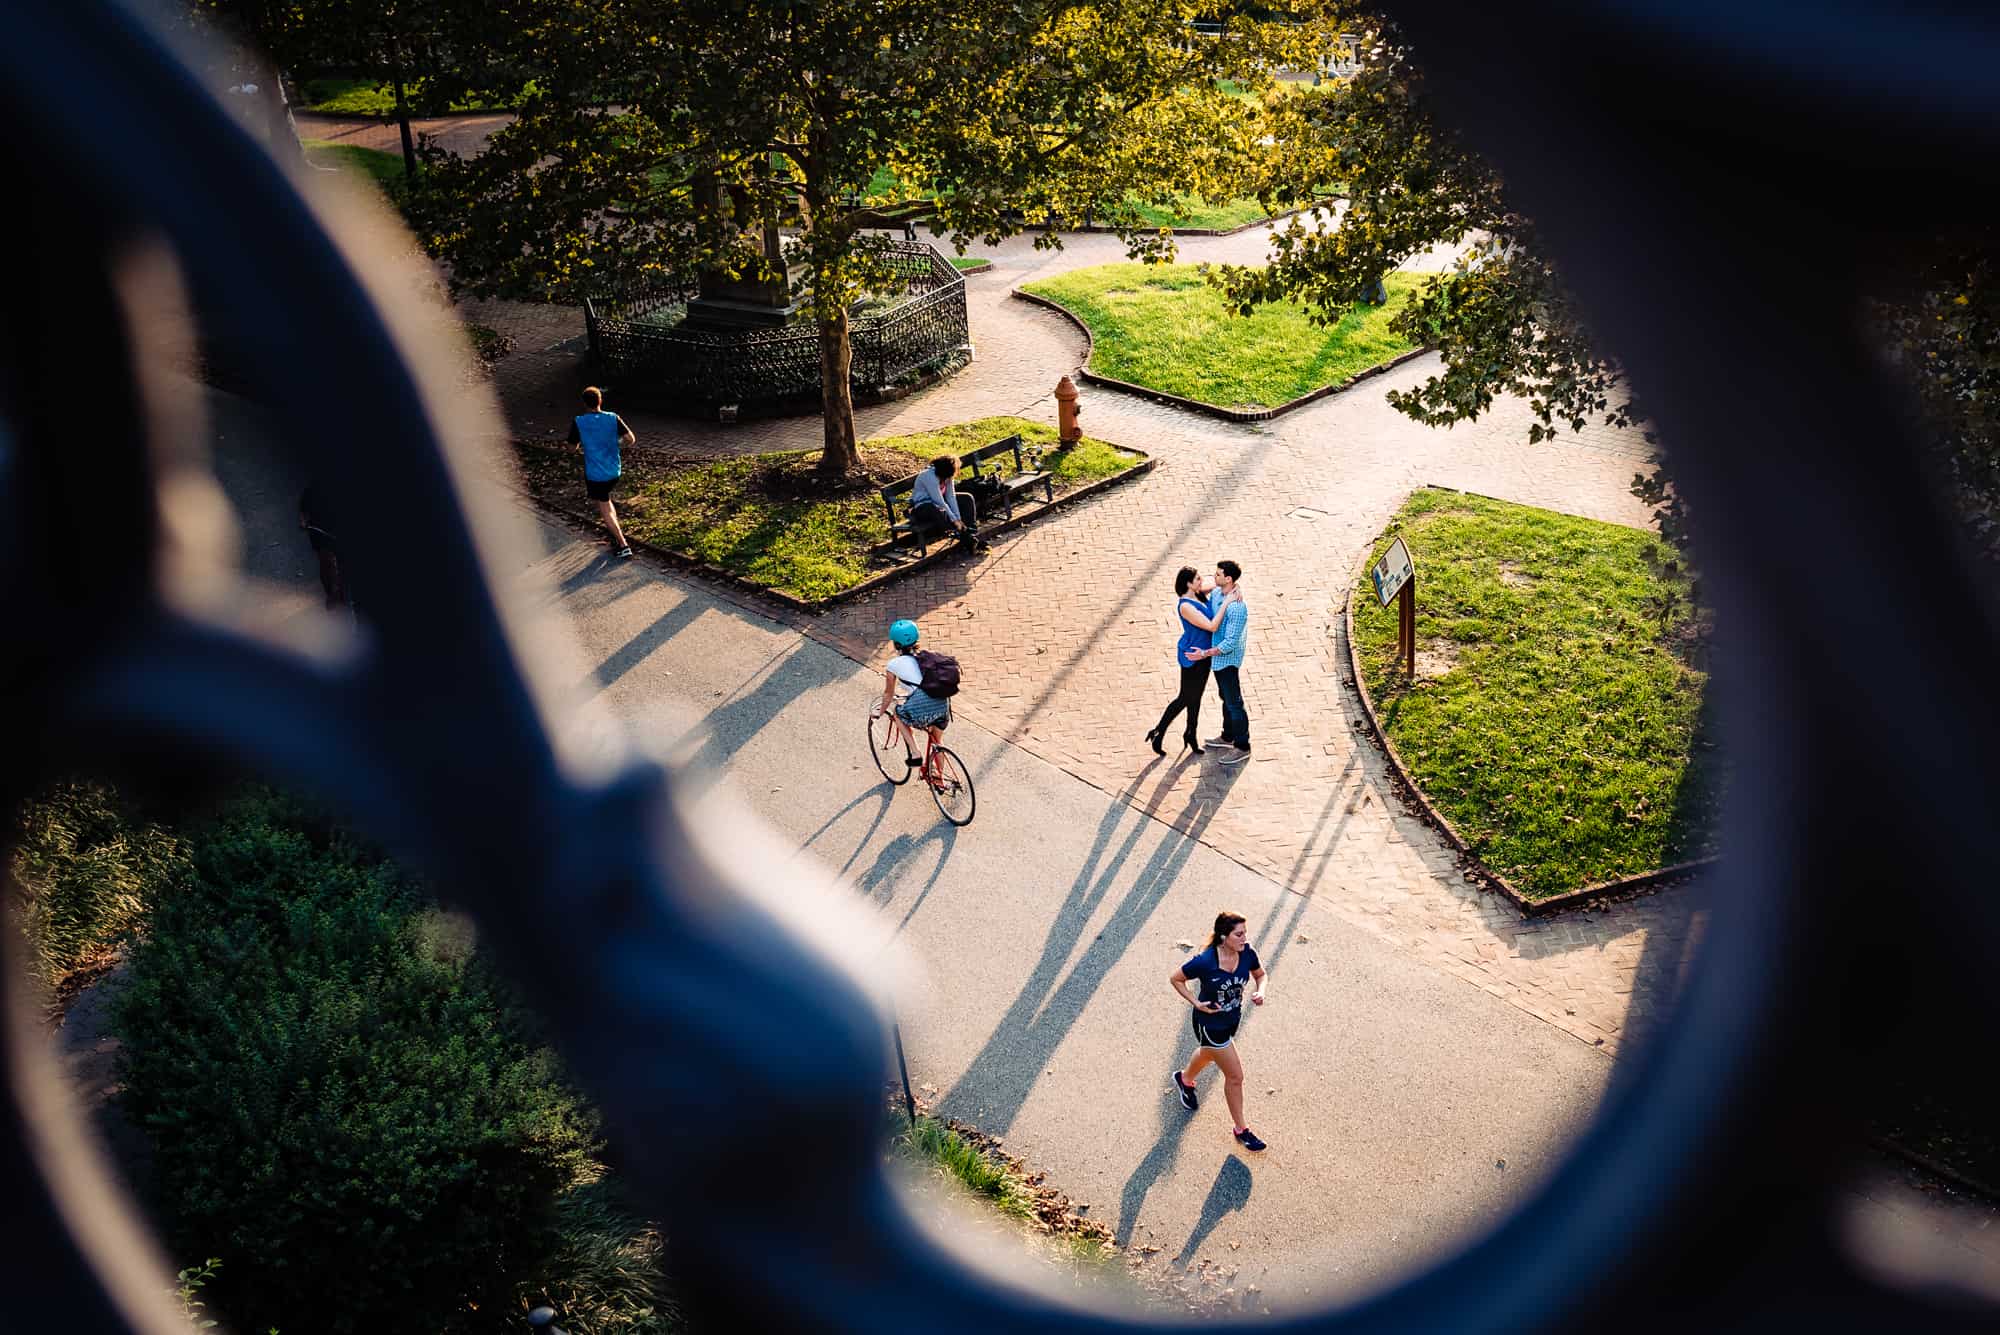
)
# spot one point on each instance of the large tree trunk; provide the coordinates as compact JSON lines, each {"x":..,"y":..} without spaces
{"x":839,"y":457}
{"x":403,"y":124}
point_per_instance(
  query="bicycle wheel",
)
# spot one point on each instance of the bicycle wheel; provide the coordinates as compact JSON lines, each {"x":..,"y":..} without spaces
{"x":888,"y":752}
{"x":951,"y":786}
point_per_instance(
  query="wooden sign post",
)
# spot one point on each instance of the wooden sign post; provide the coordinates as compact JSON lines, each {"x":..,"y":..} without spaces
{"x":1395,"y":577}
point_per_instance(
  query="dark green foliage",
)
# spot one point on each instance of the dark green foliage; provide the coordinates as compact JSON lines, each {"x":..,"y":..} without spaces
{"x":343,"y":1103}
{"x":84,"y":868}
{"x":607,"y":1275}
{"x":1939,"y":321}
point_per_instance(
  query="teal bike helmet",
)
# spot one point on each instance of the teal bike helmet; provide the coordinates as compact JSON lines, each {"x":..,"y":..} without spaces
{"x":903,"y":634}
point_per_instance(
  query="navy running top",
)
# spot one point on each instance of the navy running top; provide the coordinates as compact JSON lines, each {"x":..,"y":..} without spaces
{"x":1224,"y":989}
{"x":1192,"y":636}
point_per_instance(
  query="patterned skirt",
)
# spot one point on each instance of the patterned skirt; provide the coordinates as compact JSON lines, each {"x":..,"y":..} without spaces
{"x":925,"y":711}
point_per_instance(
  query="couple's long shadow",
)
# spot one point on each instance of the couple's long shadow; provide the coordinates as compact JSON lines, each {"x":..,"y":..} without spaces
{"x":999,"y":1080}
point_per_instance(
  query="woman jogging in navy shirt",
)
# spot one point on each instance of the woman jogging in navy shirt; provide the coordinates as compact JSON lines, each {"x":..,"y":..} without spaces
{"x":1221,"y":970}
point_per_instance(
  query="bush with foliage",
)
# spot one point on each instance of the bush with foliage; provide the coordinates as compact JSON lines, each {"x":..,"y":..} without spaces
{"x":84,"y":870}
{"x":341,"y":1098}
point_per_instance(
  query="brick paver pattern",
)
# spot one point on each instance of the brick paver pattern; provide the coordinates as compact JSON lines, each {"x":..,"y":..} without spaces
{"x":1065,"y":628}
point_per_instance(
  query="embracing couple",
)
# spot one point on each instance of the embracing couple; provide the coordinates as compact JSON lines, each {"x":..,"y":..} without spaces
{"x":1214,"y":622}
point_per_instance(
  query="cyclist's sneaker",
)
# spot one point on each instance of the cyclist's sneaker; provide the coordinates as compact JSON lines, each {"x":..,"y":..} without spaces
{"x":1248,"y":1140}
{"x":624,"y":553}
{"x":911,"y":762}
{"x":1186,"y":1091}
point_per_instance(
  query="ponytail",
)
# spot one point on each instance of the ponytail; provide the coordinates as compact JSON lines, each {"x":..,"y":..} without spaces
{"x":1225,"y":923}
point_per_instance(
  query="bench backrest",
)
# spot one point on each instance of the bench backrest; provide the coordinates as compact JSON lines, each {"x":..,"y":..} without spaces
{"x":1011,"y":445}
{"x":897,"y":492}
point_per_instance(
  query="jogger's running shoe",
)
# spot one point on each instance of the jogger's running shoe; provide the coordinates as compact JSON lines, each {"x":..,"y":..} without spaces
{"x":1186,"y":1091}
{"x":1248,"y":1140}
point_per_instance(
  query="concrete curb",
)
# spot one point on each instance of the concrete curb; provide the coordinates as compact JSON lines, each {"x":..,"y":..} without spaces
{"x":1196,"y":405}
{"x":682,"y":561}
{"x":1411,"y":792}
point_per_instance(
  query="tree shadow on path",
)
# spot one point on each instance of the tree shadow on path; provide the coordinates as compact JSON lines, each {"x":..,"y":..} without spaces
{"x":791,"y":673}
{"x":998,"y":1081}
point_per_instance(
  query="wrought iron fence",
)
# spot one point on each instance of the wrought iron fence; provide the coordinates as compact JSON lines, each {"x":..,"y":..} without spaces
{"x":642,"y":351}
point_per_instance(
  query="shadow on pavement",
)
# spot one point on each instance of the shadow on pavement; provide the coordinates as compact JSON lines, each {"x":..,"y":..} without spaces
{"x":1174,"y":1123}
{"x":884,"y":797}
{"x":1230,"y":1192}
{"x":999,"y":1080}
{"x":641,"y":646}
{"x":792,"y":672}
{"x":891,"y":858}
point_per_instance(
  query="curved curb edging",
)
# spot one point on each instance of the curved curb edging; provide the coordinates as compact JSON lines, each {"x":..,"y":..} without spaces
{"x":688,"y":564}
{"x":1408,"y":788}
{"x":1196,"y":405}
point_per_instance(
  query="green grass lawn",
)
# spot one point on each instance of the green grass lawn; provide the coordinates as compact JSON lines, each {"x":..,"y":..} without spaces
{"x":385,"y":169}
{"x":756,"y":517}
{"x":1557,"y":717}
{"x":365,"y":97}
{"x":964,"y":262}
{"x":1164,"y":327}
{"x":1192,"y":211}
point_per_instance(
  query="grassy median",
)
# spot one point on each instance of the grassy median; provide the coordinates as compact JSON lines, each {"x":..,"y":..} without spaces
{"x":764,"y":518}
{"x":1162,"y":326}
{"x":1558,"y":716}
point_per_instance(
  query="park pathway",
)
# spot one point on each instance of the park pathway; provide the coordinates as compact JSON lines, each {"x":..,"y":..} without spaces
{"x":1064,"y":628}
{"x":1407,"y":1110}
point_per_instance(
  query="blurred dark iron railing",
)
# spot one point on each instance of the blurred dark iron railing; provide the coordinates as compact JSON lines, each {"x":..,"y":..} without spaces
{"x":1660,"y":147}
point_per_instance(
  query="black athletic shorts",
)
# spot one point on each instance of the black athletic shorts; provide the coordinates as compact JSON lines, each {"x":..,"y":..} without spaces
{"x":600,"y":491}
{"x":1214,"y":1031}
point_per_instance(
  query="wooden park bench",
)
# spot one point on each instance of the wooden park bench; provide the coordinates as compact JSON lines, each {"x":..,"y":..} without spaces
{"x":980,"y":463}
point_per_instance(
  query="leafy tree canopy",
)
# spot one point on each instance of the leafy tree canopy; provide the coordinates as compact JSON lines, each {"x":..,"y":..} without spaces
{"x":1002,"y":114}
{"x":1500,"y":319}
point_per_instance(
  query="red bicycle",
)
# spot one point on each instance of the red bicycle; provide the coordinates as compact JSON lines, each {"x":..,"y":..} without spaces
{"x":943,"y":772}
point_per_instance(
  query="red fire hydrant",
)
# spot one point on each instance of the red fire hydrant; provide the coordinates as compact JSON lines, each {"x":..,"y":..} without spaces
{"x":1066,"y":411}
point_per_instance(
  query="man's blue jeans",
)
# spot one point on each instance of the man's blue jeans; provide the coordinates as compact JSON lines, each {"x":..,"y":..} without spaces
{"x":1235,"y":718}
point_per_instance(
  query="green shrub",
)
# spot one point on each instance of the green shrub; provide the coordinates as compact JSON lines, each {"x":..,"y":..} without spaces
{"x":607,"y":1274}
{"x":341,"y":1099}
{"x":84,"y":868}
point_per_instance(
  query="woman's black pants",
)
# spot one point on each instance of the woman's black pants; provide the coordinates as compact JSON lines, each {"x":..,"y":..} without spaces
{"x":1194,"y":680}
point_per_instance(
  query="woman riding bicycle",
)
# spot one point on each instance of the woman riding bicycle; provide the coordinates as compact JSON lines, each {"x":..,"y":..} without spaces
{"x":917,"y":708}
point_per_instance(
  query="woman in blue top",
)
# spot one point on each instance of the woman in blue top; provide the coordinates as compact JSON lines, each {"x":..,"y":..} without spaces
{"x":1197,"y":621}
{"x":1221,"y":970}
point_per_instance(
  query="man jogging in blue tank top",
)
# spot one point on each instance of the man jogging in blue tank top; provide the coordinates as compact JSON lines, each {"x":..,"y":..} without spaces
{"x":600,"y":434}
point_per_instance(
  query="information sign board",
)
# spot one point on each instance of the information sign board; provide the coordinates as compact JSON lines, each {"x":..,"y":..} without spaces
{"x":1392,"y":572}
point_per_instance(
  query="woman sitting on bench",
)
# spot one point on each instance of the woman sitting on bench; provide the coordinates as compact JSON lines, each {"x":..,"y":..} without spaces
{"x":935,"y":506}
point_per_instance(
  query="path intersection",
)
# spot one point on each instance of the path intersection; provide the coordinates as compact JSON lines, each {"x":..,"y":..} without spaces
{"x":1429,"y":1053}
{"x":1065,"y":632}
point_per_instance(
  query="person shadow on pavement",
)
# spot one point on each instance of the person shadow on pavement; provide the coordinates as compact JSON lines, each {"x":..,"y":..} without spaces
{"x":1230,"y":1192}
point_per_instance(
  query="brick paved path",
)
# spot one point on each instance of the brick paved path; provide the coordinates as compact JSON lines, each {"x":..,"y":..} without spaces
{"x":1065,"y":627}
